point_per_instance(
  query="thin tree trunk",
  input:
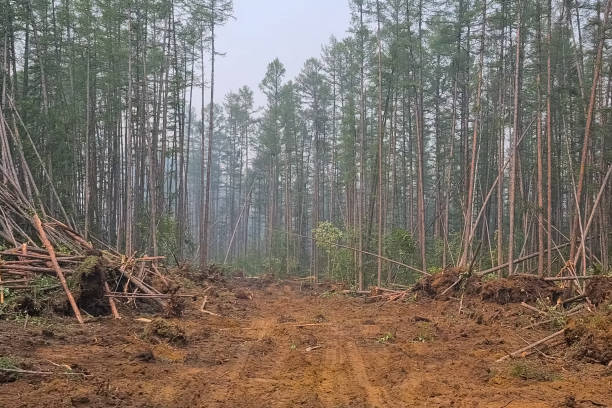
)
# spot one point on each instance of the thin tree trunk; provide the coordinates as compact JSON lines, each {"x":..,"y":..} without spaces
{"x":204,"y":244}
{"x":380,"y":153}
{"x":501,"y":148}
{"x":467,"y":229}
{"x":129,"y":192}
{"x":539,"y":152}
{"x":360,"y":205}
{"x":420,"y":148}
{"x":513,"y":160}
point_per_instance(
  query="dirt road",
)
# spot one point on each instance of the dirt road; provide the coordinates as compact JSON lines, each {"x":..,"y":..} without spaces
{"x":289,"y":348}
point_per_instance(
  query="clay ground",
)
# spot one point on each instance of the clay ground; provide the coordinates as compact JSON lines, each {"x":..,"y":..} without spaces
{"x":288,"y":347}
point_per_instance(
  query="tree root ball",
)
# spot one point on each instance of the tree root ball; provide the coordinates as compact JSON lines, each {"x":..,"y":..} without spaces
{"x":87,"y":286}
{"x":599,"y":290}
{"x":590,"y":337}
{"x":519,"y":289}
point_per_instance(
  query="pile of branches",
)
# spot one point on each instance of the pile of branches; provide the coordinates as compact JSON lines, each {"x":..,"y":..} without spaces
{"x":42,"y":245}
{"x":99,"y":278}
{"x":578,"y":312}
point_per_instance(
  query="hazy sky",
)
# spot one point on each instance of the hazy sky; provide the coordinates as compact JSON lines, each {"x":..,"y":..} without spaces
{"x":292,"y":30}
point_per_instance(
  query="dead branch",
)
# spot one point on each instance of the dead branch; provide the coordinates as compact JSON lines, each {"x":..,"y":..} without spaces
{"x":19,"y":371}
{"x":517,"y":261}
{"x":111,"y":302}
{"x":564,"y":278}
{"x":56,"y":267}
{"x":530,"y":346}
{"x":533,"y":309}
{"x":211,"y":313}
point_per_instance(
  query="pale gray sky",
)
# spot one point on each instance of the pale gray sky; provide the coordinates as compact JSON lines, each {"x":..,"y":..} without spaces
{"x":292,"y":30}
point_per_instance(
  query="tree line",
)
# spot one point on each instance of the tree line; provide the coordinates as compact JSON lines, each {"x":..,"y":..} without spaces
{"x":443,"y":133}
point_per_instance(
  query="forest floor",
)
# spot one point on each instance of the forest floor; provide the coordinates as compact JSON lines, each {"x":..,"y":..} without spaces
{"x":281,"y":345}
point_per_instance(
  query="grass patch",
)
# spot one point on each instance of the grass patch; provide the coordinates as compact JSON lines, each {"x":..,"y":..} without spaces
{"x":425,"y":332}
{"x":387,"y":337}
{"x":529,"y":370}
{"x":9,"y":363}
{"x":329,"y":294}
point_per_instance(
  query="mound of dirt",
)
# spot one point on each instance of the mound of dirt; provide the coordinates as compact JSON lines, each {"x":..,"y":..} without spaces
{"x":174,"y":307}
{"x":260,"y":282}
{"x":434,"y":285}
{"x":518,"y":289}
{"x":163,"y":330}
{"x":24,"y":304}
{"x":242,"y":293}
{"x":191,"y":276}
{"x":590,"y":337}
{"x":599,"y":290}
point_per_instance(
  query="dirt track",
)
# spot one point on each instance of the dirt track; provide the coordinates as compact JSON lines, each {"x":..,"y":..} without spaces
{"x":415,"y":354}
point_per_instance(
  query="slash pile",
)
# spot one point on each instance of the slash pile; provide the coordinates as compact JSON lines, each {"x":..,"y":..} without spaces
{"x":42,"y":246}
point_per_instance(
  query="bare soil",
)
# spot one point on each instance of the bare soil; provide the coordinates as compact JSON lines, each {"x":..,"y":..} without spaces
{"x":276,"y":345}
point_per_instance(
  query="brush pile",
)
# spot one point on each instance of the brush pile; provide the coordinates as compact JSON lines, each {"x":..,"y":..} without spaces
{"x":45,"y":254}
{"x":95,"y":279}
{"x":577,"y":307}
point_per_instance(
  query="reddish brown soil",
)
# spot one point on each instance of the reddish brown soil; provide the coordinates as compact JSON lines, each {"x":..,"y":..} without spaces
{"x":258,"y":354}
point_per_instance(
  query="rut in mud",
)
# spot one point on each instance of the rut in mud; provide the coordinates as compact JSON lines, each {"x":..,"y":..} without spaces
{"x":282,"y":347}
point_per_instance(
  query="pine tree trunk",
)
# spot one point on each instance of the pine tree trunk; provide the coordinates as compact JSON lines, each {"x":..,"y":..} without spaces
{"x":539,"y":152}
{"x":420,"y":149}
{"x":204,"y":243}
{"x":129,"y":189}
{"x":467,"y":228}
{"x":513,"y":158}
{"x":549,"y":214}
{"x":380,"y":154}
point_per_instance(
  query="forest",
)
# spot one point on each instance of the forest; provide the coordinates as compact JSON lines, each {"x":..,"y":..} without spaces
{"x":450,"y":151}
{"x":425,"y":132}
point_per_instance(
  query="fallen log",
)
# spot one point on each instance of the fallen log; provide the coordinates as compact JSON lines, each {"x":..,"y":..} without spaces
{"x":9,"y":282}
{"x":40,"y":255}
{"x":210,"y":313}
{"x":19,"y":371}
{"x":144,"y":295}
{"x":564,"y":278}
{"x":310,"y":324}
{"x":204,"y":303}
{"x":455,"y":283}
{"x":533,"y":309}
{"x":58,"y":270}
{"x":573,"y":299}
{"x":142,"y":286}
{"x":27,"y":268}
{"x":355,"y":292}
{"x":516,"y":261}
{"x":530,"y":346}
{"x":111,"y":302}
{"x":571,"y":312}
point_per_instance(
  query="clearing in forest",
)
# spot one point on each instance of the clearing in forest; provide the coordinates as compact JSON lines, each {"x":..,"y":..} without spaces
{"x":284,"y":344}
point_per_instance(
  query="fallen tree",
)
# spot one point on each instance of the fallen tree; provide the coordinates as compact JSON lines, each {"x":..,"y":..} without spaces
{"x":44,"y":246}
